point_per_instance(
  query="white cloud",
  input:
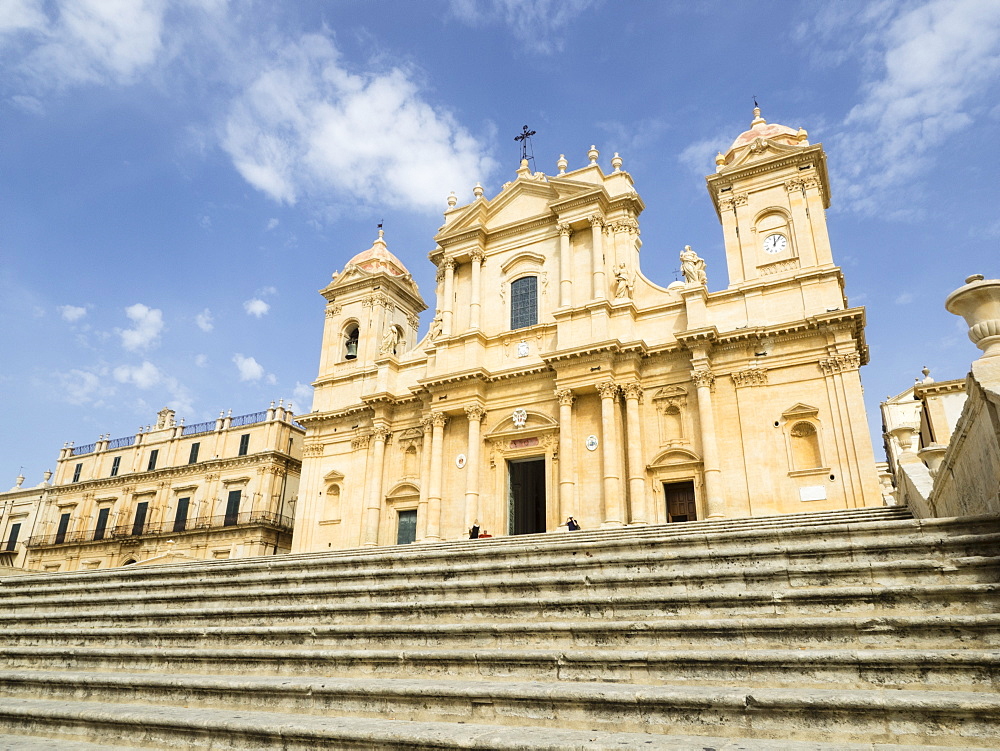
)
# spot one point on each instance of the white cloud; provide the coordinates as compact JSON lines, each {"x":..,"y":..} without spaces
{"x":148,"y":325}
{"x":96,"y":41}
{"x":72,"y":313}
{"x":143,"y":376}
{"x":536,"y":24}
{"x":699,"y":156}
{"x":250,"y":369}
{"x":256,"y":307}
{"x":22,"y":15}
{"x":271,"y":224}
{"x":936,"y":64}
{"x":308,"y":127}
{"x":303,"y":393}
{"x":201,"y":360}
{"x":83,"y":386}
{"x":204,"y":320}
{"x":904,"y":298}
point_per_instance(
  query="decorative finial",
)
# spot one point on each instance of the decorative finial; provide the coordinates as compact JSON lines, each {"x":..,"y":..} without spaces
{"x":525,"y":140}
{"x":593,"y":154}
{"x":757,"y":119}
{"x":452,"y":200}
{"x":381,"y":232}
{"x":524,"y":170}
{"x":616,"y":162}
{"x":927,"y":375}
{"x":562,"y":164}
{"x":802,"y":135}
{"x":478,"y":191}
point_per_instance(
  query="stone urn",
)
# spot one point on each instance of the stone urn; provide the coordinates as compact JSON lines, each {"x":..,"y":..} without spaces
{"x":978,"y":302}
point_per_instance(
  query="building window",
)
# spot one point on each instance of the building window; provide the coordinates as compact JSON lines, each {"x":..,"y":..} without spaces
{"x":180,"y":518}
{"x":76,"y":472}
{"x":152,"y":460}
{"x":193,"y":456}
{"x":351,"y":336}
{"x":244,"y":444}
{"x":233,"y":508}
{"x":15,"y":530}
{"x":102,"y":523}
{"x":115,"y":465}
{"x":62,"y":529}
{"x":139,"y":523}
{"x":524,"y":302}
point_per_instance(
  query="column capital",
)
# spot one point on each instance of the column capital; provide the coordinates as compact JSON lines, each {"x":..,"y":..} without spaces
{"x":439,"y":419}
{"x":633,"y":390}
{"x":477,"y":254}
{"x":566,"y":396}
{"x":703,"y":377}
{"x":596,"y":220}
{"x":475,"y":412}
{"x":427,"y":423}
{"x":449,"y":264}
{"x":607,"y":389}
{"x":564,"y":229}
{"x":381,"y":433}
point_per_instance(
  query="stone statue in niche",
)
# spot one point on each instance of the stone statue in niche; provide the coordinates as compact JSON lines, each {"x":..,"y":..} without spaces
{"x":623,"y":284}
{"x":693,"y":267}
{"x":390,"y":340}
{"x":437,"y":326}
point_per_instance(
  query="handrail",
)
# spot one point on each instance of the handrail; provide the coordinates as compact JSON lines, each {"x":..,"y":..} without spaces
{"x":198,"y":427}
{"x":250,"y":419}
{"x":87,"y":448}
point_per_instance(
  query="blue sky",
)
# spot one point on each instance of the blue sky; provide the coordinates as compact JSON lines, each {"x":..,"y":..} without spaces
{"x":179,"y":177}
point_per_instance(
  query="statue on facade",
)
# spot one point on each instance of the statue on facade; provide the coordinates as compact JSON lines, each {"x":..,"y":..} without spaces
{"x":693,"y":267}
{"x":437,"y":326}
{"x":623,"y":284}
{"x":390,"y":341}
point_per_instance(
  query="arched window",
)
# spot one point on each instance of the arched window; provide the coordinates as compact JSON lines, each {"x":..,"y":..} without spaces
{"x":805,"y":446}
{"x":351,"y":334}
{"x":524,"y":302}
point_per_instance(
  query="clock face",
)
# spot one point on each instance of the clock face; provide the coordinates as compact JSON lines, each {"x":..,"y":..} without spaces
{"x":775,"y":243}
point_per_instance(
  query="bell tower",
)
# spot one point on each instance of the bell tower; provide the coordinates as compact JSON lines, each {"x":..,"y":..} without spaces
{"x":771,"y":190}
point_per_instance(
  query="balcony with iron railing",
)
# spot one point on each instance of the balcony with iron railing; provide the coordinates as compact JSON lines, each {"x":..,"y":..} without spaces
{"x":149,"y":529}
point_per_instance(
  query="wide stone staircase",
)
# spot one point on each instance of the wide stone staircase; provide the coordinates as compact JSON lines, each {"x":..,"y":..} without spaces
{"x":843,"y":630}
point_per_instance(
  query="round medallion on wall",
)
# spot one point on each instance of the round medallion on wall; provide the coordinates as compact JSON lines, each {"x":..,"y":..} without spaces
{"x":591,"y":443}
{"x":460,"y":461}
{"x":775,"y":243}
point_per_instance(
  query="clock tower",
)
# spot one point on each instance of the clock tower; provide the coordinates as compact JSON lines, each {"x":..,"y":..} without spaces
{"x":771,"y":191}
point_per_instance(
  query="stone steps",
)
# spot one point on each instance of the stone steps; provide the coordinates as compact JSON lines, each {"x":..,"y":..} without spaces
{"x":956,"y":670}
{"x":844,"y":631}
{"x":844,"y":715}
{"x":139,"y":726}
{"x":841,"y":630}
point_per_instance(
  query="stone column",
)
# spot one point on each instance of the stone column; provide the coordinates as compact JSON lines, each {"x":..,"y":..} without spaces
{"x":477,"y":263}
{"x":438,"y":420}
{"x":475,"y":414}
{"x":567,"y":499}
{"x":636,"y":478}
{"x":449,"y":294}
{"x":565,"y":267}
{"x":715,"y":504}
{"x":425,"y":477}
{"x":597,"y":233}
{"x":612,"y":488}
{"x":373,"y":506}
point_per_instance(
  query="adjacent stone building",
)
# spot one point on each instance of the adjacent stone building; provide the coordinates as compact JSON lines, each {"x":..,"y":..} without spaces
{"x":172,"y":492}
{"x":558,"y":380}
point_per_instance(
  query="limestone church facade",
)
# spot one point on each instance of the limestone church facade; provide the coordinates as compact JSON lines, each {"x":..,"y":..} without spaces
{"x":557,"y":380}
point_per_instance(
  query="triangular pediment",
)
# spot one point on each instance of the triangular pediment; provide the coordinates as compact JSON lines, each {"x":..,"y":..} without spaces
{"x":333,"y":476}
{"x":800,"y":410}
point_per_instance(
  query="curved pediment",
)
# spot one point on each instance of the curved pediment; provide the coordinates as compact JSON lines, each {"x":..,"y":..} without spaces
{"x":534,"y":423}
{"x":403,"y":489}
{"x":673,"y":457}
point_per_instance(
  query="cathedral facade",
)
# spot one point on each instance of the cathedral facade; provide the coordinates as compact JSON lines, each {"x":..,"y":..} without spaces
{"x":558,"y":381}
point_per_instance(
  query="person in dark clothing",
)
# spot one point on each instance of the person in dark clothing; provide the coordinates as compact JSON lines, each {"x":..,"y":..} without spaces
{"x":474,"y":530}
{"x":572,"y":524}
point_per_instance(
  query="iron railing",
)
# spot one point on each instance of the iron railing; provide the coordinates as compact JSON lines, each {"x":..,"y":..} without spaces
{"x":251,"y":419}
{"x":127,"y":531}
{"x":198,"y":427}
{"x":120,"y":443}
{"x":87,"y":448}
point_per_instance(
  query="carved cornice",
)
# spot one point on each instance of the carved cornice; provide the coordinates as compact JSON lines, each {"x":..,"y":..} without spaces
{"x":840,"y":363}
{"x":750,"y":377}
